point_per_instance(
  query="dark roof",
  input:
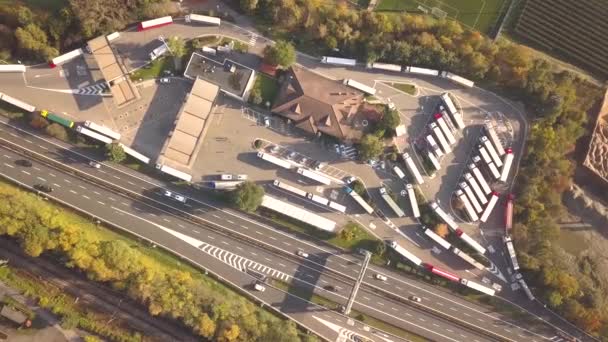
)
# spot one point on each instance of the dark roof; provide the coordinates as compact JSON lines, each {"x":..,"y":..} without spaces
{"x":316,"y":103}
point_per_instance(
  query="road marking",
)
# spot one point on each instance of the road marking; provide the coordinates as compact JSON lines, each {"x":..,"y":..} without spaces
{"x":82,"y":187}
{"x":102,"y":171}
{"x":96,"y":193}
{"x":479,"y":319}
{"x":258,"y":232}
{"x":224,"y":242}
{"x":453,"y":309}
{"x":37,"y":168}
{"x":450,"y":330}
{"x":188,"y":205}
{"x":124,"y":203}
{"x":164,"y":219}
{"x":380,"y":303}
{"x":111,"y":198}
{"x":282,"y":265}
{"x":244,"y":227}
{"x":366,"y":298}
{"x":287,"y":243}
{"x":267,"y":259}
{"x":43,"y":147}
{"x":440,"y":304}
{"x":14,"y":135}
{"x":57,"y":185}
{"x":85,"y":196}
{"x":52,"y":175}
{"x":215,"y":216}
{"x":422,"y":319}
{"x":29,"y":141}
{"x":11,"y":166}
{"x":398,"y":288}
{"x":72,"y":191}
{"x":27,"y":173}
{"x":100,"y":202}
{"x":239,"y":248}
{"x":181,"y":225}
{"x":67,"y":181}
{"x":463,"y":335}
{"x":272,"y":238}
{"x":211,"y":237}
{"x":231,"y":222}
{"x":71,"y":159}
{"x":153,"y":214}
{"x":394,"y":309}
{"x":252,"y":253}
{"x":116,"y":177}
{"x":7,"y":156}
{"x":130,"y":182}
{"x":407,"y":314}
{"x":435,"y":324}
{"x":466,"y":314}
{"x":507,"y":330}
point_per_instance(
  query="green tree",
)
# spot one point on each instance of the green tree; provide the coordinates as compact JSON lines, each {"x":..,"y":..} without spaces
{"x":249,"y":6}
{"x":281,"y":53}
{"x":177,"y":46}
{"x":390,"y":119}
{"x":206,"y":326}
{"x":248,"y":196}
{"x":115,"y":152}
{"x":57,"y":131}
{"x":33,"y":41}
{"x":25,"y":16}
{"x":370,"y":147}
{"x":256,"y":96}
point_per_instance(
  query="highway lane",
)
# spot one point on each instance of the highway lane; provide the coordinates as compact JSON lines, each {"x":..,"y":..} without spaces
{"x":328,"y":257}
{"x":142,"y":219}
{"x":107,"y":207}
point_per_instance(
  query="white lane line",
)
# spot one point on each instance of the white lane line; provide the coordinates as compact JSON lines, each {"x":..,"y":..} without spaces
{"x":43,"y":147}
{"x":100,"y":202}
{"x":116,"y":177}
{"x":96,"y":193}
{"x":215,"y":216}
{"x":231,"y":222}
{"x":244,"y":227}
{"x":11,"y":166}
{"x":435,"y":325}
{"x":153,"y":214}
{"x":67,"y":181}
{"x":188,"y":205}
{"x":29,"y":141}
{"x":37,"y":168}
{"x":124,"y":203}
{"x":82,"y":187}
{"x":130,"y":182}
{"x":225,"y":243}
{"x":453,"y":309}
{"x":7,"y":156}
{"x":394,"y":309}
{"x":111,"y":198}
{"x":102,"y":171}
{"x":181,"y":225}
{"x":27,"y":173}
{"x":52,"y":174}
{"x":450,"y":330}
{"x":211,"y":237}
{"x":382,"y":304}
{"x":267,"y":259}
{"x":422,"y":319}
{"x":252,"y":253}
{"x":239,"y":248}
{"x":14,"y":135}
{"x":466,"y":314}
{"x":407,"y":314}
{"x":282,"y":265}
{"x":366,"y":298}
{"x":164,"y":219}
{"x":440,"y":304}
{"x":72,"y":191}
{"x":87,"y":197}
{"x":57,"y":185}
{"x":479,"y":319}
{"x":272,"y":238}
{"x":258,"y":232}
{"x":196,"y":231}
{"x":286,"y":243}
{"x":398,"y":288}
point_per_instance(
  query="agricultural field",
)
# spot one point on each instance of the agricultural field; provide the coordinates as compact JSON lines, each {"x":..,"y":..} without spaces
{"x":572,"y":30}
{"x":477,"y":14}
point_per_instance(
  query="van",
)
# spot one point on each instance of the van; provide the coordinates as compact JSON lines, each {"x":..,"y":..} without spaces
{"x":226,"y":177}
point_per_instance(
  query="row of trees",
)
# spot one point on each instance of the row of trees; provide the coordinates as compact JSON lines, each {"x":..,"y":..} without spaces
{"x":210,"y":309}
{"x":558,"y":101}
{"x":35,"y":34}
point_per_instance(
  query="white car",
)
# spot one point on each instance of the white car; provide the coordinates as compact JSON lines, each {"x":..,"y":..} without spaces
{"x":226,"y":177}
{"x":180,"y":198}
{"x":381,"y":277}
{"x":302,"y":254}
{"x":241,"y":177}
{"x":165,"y":80}
{"x":415,"y":299}
{"x":259,"y":287}
{"x":94,"y":165}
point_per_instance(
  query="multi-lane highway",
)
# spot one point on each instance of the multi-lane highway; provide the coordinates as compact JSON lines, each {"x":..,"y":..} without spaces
{"x":158,"y":220}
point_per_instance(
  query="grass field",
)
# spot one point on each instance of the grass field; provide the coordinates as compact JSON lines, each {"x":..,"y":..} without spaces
{"x":268,"y":86}
{"x":477,"y":14}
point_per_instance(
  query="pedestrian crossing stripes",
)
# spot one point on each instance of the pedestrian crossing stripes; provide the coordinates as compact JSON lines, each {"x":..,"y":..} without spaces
{"x":347,"y":335}
{"x":253,"y":39}
{"x":240,"y":263}
{"x":349,"y":152}
{"x":94,"y":89}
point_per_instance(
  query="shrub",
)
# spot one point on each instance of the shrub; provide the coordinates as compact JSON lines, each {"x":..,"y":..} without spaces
{"x":57,"y":131}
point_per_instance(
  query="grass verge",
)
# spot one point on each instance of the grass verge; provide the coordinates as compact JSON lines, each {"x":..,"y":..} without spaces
{"x":267,"y":86}
{"x":155,"y":69}
{"x":405,"y":87}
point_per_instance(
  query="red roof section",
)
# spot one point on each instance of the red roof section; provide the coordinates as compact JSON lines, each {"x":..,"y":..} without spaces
{"x":268,"y":69}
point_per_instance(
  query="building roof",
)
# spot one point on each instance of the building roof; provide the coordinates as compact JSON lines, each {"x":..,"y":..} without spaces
{"x":232,"y":78}
{"x":316,"y":103}
{"x":190,"y":124}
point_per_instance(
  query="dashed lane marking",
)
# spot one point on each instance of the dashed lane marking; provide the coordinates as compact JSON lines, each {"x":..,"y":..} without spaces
{"x":72,"y":191}
{"x":27,"y":173}
{"x":9,"y":165}
{"x":100,"y":202}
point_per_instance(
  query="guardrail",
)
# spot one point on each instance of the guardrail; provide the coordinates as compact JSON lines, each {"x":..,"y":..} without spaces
{"x":241,"y":237}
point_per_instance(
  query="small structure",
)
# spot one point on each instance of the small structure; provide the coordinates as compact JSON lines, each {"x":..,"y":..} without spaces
{"x":233,"y":79}
{"x":317,"y":104}
{"x":13,"y":315}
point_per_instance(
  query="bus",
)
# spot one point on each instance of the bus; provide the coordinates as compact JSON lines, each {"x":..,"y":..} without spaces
{"x":398,"y":172}
{"x":488,"y":145}
{"x":391,"y":203}
{"x":445,"y":129}
{"x":405,"y":253}
{"x":411,"y":194}
{"x":203,"y":19}
{"x":134,"y":154}
{"x":470,"y":241}
{"x":359,"y":86}
{"x":368,"y":209}
{"x":480,"y":179}
{"x":274,"y":160}
{"x":467,"y":206}
{"x":409,"y":163}
{"x":154,"y":23}
{"x":175,"y":173}
{"x":56,"y":118}
{"x":438,"y":239}
{"x":439,"y":135}
{"x":314,"y":176}
{"x":102,"y":129}
{"x":467,"y":190}
{"x":17,"y":103}
{"x":509,"y":214}
{"x":338,"y":61}
{"x":444,"y":216}
{"x":488,"y":210}
{"x":289,"y":188}
{"x":94,"y":135}
{"x":476,"y":189}
{"x":506,"y":167}
{"x":433,"y":146}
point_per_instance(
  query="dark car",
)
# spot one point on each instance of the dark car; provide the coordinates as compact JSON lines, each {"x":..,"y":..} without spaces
{"x":330,"y":288}
{"x":43,"y":187}
{"x":23,"y":162}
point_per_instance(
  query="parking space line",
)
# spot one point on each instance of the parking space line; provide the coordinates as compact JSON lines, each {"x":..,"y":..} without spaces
{"x":74,"y":192}
{"x":100,"y":202}
{"x":27,"y":173}
{"x":11,"y":166}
